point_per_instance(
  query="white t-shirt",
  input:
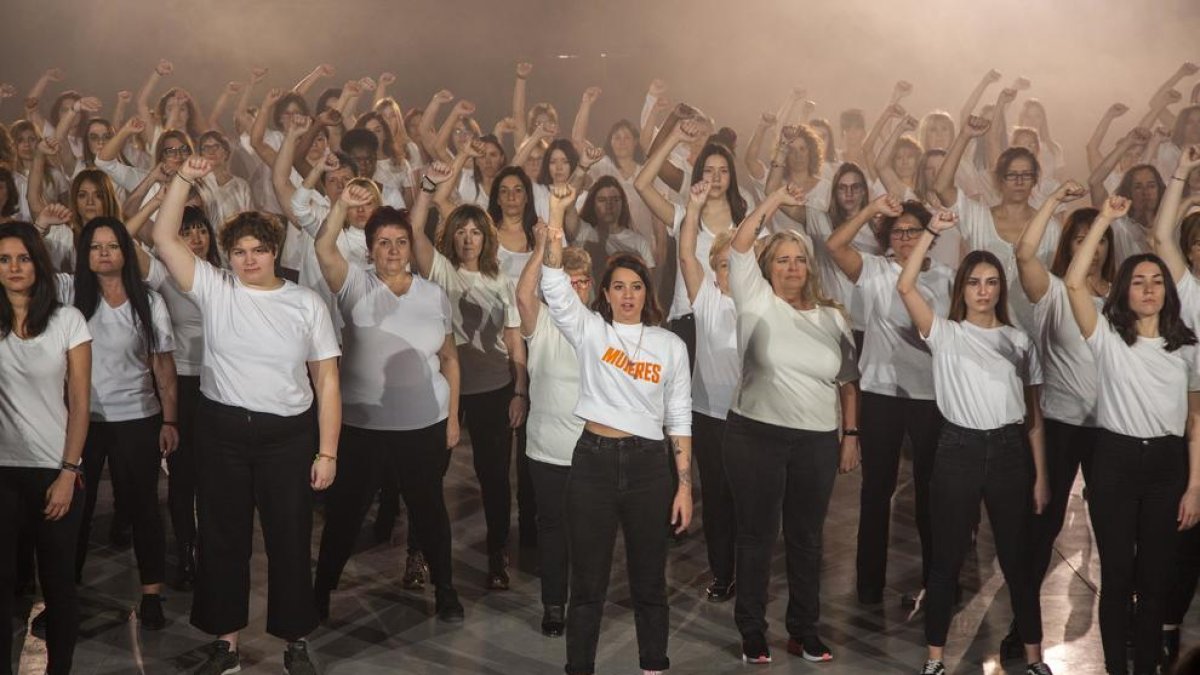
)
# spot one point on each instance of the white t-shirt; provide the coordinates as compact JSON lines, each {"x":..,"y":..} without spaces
{"x":186,"y":320}
{"x":630,"y":241}
{"x":980,"y":374}
{"x":553,"y":428}
{"x":471,"y":192}
{"x":642,"y":219}
{"x":33,"y":374}
{"x":222,"y":202}
{"x":895,"y":360}
{"x":793,"y":361}
{"x":632,"y":377}
{"x":1143,"y":388}
{"x":1069,"y":391}
{"x":718,"y":367}
{"x":1188,"y":288}
{"x":1129,"y":238}
{"x":512,"y":263}
{"x":704,"y":241}
{"x":391,"y":374}
{"x":60,"y":244}
{"x":123,"y":175}
{"x":258,"y":343}
{"x":483,"y":307}
{"x":833,"y":281}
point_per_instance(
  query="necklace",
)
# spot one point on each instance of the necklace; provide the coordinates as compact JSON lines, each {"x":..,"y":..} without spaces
{"x":638,"y":350}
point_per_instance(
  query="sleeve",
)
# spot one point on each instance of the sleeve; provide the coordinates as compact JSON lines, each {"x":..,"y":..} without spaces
{"x":60,"y":244}
{"x":1102,"y":337}
{"x":677,"y":408}
{"x":746,"y":282}
{"x":447,"y":313}
{"x":441,"y":271}
{"x":541,"y":201}
{"x":205,"y":281}
{"x":157,"y":275}
{"x":125,"y":176}
{"x":849,"y":369}
{"x":1189,"y":299}
{"x":75,"y":328}
{"x":645,"y":251}
{"x":676,"y":220}
{"x":972,"y":217}
{"x":568,"y":313}
{"x":1033,"y":364}
{"x":353,"y":288}
{"x":512,"y":316}
{"x":647,"y":108}
{"x":164,"y":334}
{"x":938,"y":332}
{"x":872,"y":267}
{"x":704,"y":303}
{"x":323,"y":342}
{"x":307,"y":218}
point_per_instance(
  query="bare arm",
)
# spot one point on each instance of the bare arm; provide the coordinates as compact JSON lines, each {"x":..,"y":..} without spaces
{"x":943,"y":184}
{"x":1078,"y":293}
{"x":166,"y":383}
{"x":1097,"y":177}
{"x":1166,"y":242}
{"x":33,"y":112}
{"x":168,"y":244}
{"x":579,"y":130}
{"x":752,"y":157}
{"x":996,"y":138}
{"x":1094,"y":155}
{"x":989,"y":78}
{"x":423,"y":248}
{"x":333,"y":264}
{"x":450,"y":369}
{"x":79,"y":386}
{"x":124,"y":98}
{"x":328,"y":390}
{"x":1035,"y":278}
{"x":306,"y":83}
{"x":1034,"y":431}
{"x":883,"y":162}
{"x":841,"y":242}
{"x":281,"y":168}
{"x":524,"y":69}
{"x":258,"y":132}
{"x":426,"y":129}
{"x":528,"y":303}
{"x":689,"y":232}
{"x":218,"y":109}
{"x":517,"y":361}
{"x":445,"y":133}
{"x":1164,"y":115}
{"x":918,"y":308}
{"x":644,"y":182}
{"x":163,"y":69}
{"x":540,"y":134}
{"x":747,"y":230}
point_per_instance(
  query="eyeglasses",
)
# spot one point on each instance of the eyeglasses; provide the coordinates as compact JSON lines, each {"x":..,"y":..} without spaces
{"x":211,"y":147}
{"x":578,"y":284}
{"x":907,"y":233}
{"x":852,"y":189}
{"x":179,"y":151}
{"x":100,"y":137}
{"x":1020,"y":177}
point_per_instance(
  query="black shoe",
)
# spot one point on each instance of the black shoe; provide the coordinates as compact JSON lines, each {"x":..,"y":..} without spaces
{"x":933,"y":668}
{"x":38,"y":625}
{"x":554,"y":620}
{"x":416,"y":570}
{"x":185,"y":575}
{"x":449,"y":609}
{"x":810,"y":649}
{"x":1170,"y":646}
{"x":120,"y":533}
{"x":1039,"y":668}
{"x":720,"y":591}
{"x":296,"y":661}
{"x":870,"y":596}
{"x":221,"y":660}
{"x":498,"y":571}
{"x":150,"y":614}
{"x":754,"y":649}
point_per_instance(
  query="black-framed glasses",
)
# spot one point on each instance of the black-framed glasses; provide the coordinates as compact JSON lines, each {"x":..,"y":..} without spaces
{"x":1020,"y":176}
{"x":907,"y":233}
{"x":179,"y":151}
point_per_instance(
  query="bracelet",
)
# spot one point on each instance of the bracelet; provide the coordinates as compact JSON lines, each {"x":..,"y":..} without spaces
{"x":521,"y":394}
{"x":930,"y":231}
{"x":180,"y":177}
{"x":850,"y":432}
{"x":170,"y":424}
{"x":321,"y":455}
{"x":73,"y":468}
{"x":1179,"y":179}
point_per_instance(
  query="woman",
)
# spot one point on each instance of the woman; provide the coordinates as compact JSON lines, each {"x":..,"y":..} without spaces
{"x":606,"y":227}
{"x":398,"y":420}
{"x":633,"y":383}
{"x":1143,"y":187}
{"x":92,"y":195}
{"x":715,"y":377}
{"x":1033,"y":116}
{"x":798,"y":159}
{"x":897,"y":379}
{"x":990,"y":445}
{"x":623,"y":158}
{"x":476,"y":187}
{"x":264,"y":338}
{"x":781,"y":448}
{"x":511,"y":207}
{"x":1148,"y":384}
{"x":170,"y":152}
{"x":495,"y":385}
{"x":559,"y":166}
{"x":225,"y":195}
{"x":553,"y":426}
{"x":45,"y":348}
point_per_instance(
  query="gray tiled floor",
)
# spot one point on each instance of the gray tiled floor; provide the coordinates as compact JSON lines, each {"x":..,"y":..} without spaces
{"x":379,"y":628}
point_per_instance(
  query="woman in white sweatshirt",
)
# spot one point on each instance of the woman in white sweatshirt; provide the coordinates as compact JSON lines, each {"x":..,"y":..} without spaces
{"x":633,"y":382}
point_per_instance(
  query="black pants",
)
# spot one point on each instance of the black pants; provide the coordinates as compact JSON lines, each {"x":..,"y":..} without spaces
{"x":131,"y":449}
{"x":486,"y":418}
{"x":615,"y":482}
{"x":1187,"y":574}
{"x":776,"y":471}
{"x":527,"y":505}
{"x":720,"y":526}
{"x":1068,"y":447}
{"x":181,"y":479}
{"x":416,"y":461}
{"x":22,"y":501}
{"x":550,"y":486}
{"x":995,"y":466}
{"x":251,"y":460}
{"x":885,"y":421}
{"x":685,"y":328}
{"x":1133,"y":496}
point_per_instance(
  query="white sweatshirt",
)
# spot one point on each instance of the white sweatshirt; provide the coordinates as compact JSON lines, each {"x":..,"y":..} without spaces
{"x":639,"y":392}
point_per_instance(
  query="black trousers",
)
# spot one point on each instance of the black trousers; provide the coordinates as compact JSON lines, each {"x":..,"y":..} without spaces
{"x":618,"y":482}
{"x":995,"y":466}
{"x":486,"y":417}
{"x":527,"y":504}
{"x":248,"y":461}
{"x":685,"y":328}
{"x":550,"y":486}
{"x":1187,"y":574}
{"x":181,"y":479}
{"x":22,"y":501}
{"x":416,"y":461}
{"x":1133,"y":496}
{"x":1068,"y":447}
{"x":720,"y":526}
{"x":884,"y":422}
{"x":779,"y":472}
{"x":131,"y":449}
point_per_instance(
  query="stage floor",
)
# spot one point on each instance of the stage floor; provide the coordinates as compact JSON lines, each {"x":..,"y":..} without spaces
{"x":376,"y":627}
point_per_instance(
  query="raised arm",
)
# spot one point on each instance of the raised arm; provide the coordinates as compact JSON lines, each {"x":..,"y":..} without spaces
{"x":445,"y":134}
{"x":112,"y":149}
{"x":1166,"y":241}
{"x":33,"y":112}
{"x":747,"y":230}
{"x":989,"y":78}
{"x":752,"y":157}
{"x":258,"y":132}
{"x":36,"y":190}
{"x":524,"y":70}
{"x":528,"y":303}
{"x":655,"y":115}
{"x":168,"y":245}
{"x":883,"y":161}
{"x":787,"y":136}
{"x":579,"y":130}
{"x":1078,"y":293}
{"x":229,"y":92}
{"x":841,"y":242}
{"x":306,"y":83}
{"x":662,"y":209}
{"x":333,"y":264}
{"x":1035,"y":278}
{"x":242,"y":121}
{"x":918,"y":308}
{"x":281,"y":168}
{"x":124,"y":98}
{"x":423,"y":248}
{"x":541,"y":132}
{"x":996,"y":138}
{"x":689,"y":232}
{"x":1100,"y":173}
{"x":145,"y":110}
{"x":427,"y":129}
{"x":1187,"y":69}
{"x":943,"y":184}
{"x":385,"y":81}
{"x":1094,"y":154}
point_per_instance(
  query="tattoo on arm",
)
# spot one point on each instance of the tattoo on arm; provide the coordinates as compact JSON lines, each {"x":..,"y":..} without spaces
{"x":683,"y":464}
{"x":761,"y":221}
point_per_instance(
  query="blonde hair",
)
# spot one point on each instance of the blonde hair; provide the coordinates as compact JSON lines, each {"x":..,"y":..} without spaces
{"x":720,"y":245}
{"x":812,"y":291}
{"x":575,"y":259}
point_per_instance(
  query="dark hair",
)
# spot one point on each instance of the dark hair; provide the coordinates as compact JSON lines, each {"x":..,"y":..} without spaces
{"x":12,"y":200}
{"x":1189,"y":229}
{"x":489,"y":262}
{"x":43,"y":296}
{"x":386,"y":144}
{"x":737,"y":204}
{"x":852,"y":118}
{"x":1181,"y":121}
{"x":216,"y":136}
{"x":588,"y":212}
{"x":1170,"y":325}
{"x":194,"y":217}
{"x":491,"y":140}
{"x":1125,"y":189}
{"x":958,"y":306}
{"x":104,"y":184}
{"x":911,"y":208}
{"x":89,"y":157}
{"x":529,"y":216}
{"x":1081,"y":219}
{"x":1013,"y":154}
{"x":639,"y":155}
{"x":359,"y":138}
{"x":87,"y":287}
{"x":652,"y":314}
{"x":386,"y":216}
{"x":282,"y":104}
{"x":567,"y":148}
{"x":84,"y":116}
{"x":830,"y":144}
{"x":8,"y":149}
{"x":838,"y":215}
{"x":258,"y":224}
{"x":160,"y":146}
{"x":193,"y":120}
{"x":725,"y":136}
{"x":333,"y":93}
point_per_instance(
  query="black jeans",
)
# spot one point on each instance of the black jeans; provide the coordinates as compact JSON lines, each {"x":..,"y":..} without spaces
{"x":527,"y":504}
{"x":1068,"y":447}
{"x":995,"y":466}
{"x":416,"y":461}
{"x":775,"y":471}
{"x":486,"y":419}
{"x":251,"y":460}
{"x":22,"y":501}
{"x":131,"y":449}
{"x":685,"y":328}
{"x":550,"y":486}
{"x":1187,"y":574}
{"x":1133,"y":496}
{"x":885,"y":421}
{"x":181,"y":481}
{"x":720,"y":526}
{"x":625,"y":482}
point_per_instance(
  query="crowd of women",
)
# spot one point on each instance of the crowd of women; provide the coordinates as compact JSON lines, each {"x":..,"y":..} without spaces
{"x":294,"y":295}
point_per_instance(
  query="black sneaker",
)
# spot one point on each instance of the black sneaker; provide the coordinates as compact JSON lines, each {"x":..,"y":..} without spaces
{"x":720,"y":591}
{"x":221,"y":660}
{"x":1039,"y":668}
{"x":554,"y":620}
{"x":296,"y":661}
{"x":415,"y":572}
{"x":150,"y":614}
{"x":810,"y":649}
{"x":449,"y":609}
{"x":498,"y":571}
{"x":754,"y":649}
{"x":933,"y":668}
{"x":38,"y":625}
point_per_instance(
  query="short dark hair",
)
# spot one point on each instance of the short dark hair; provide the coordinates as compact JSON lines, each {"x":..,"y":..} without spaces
{"x":258,"y":224}
{"x":12,"y":202}
{"x":386,"y":216}
{"x":652,"y":314}
{"x":911,"y":208}
{"x":359,"y":138}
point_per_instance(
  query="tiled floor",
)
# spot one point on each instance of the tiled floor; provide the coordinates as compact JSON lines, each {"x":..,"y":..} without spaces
{"x":379,"y":628}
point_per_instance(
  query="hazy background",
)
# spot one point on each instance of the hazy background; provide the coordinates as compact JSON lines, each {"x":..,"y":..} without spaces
{"x":733,"y":59}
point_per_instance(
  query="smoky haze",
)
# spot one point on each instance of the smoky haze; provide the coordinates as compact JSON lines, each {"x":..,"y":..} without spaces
{"x":734,"y":60}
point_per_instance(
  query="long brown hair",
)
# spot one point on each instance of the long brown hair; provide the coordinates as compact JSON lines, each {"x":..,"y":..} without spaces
{"x":958,"y":306}
{"x":1079,"y":220}
{"x":460,"y":217}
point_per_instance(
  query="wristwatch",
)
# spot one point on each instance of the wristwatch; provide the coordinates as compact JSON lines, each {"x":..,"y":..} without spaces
{"x":428,"y":185}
